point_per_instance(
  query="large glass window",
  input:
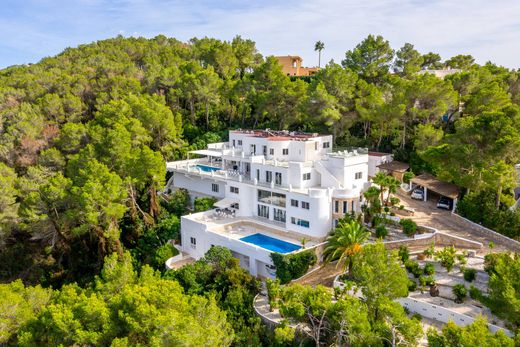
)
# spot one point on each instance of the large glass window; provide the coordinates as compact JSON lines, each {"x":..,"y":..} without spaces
{"x":263,"y":211}
{"x":278,"y":178}
{"x":268,"y":176}
{"x":279,"y":215}
{"x":267,"y":197}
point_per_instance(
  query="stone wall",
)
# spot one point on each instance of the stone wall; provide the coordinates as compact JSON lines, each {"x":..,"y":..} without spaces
{"x":438,"y":238}
{"x":491,"y":234}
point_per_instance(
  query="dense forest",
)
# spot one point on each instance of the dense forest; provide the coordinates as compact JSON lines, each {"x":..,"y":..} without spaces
{"x":84,"y":137}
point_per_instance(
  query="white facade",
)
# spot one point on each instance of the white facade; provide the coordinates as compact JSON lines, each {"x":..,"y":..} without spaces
{"x":278,"y":184}
{"x":375,"y":159}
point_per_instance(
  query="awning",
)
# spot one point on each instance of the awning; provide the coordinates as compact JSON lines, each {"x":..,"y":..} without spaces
{"x":207,"y":152}
{"x":429,"y":181}
{"x":394,"y":166}
{"x":226,"y":202}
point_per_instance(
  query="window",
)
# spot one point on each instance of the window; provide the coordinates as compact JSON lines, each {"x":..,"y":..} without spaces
{"x":326,"y":144}
{"x":285,"y":151}
{"x":271,"y":151}
{"x":336,"y":206}
{"x":267,"y":197}
{"x":233,"y":190}
{"x":307,"y":176}
{"x":278,"y":178}
{"x":258,"y":174}
{"x":315,"y":146}
{"x":359,"y":175}
{"x":300,"y":222}
{"x":305,"y":205}
{"x":336,"y":222}
{"x":279,"y":215}
{"x":264,"y":150}
{"x":193,"y":242}
{"x":294,"y":203}
{"x":214,"y":187}
{"x":263,"y":211}
{"x":352,"y":206}
{"x":268,"y":176}
{"x":233,"y":143}
{"x":345,"y":206}
{"x":253,"y":149}
{"x":240,"y":142}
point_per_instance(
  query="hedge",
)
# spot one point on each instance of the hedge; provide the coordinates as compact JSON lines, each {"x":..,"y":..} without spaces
{"x":291,"y":266}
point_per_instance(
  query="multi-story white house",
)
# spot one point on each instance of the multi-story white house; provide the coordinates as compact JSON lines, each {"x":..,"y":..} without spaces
{"x":274,"y":188}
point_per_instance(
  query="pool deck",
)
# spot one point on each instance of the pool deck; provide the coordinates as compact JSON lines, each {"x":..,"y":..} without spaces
{"x":239,"y":227}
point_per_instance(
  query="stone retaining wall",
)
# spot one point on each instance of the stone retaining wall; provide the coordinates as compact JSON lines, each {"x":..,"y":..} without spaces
{"x":491,"y":234}
{"x":438,"y":238}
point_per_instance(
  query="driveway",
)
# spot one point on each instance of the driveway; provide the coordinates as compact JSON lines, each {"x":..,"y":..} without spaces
{"x":427,"y":213}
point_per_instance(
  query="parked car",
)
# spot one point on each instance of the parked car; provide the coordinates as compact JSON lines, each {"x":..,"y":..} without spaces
{"x":444,"y":203}
{"x":418,"y":194}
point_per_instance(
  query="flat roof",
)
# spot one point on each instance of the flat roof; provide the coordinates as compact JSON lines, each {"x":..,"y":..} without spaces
{"x":278,"y":135}
{"x":378,"y":154}
{"x":207,"y":152}
{"x":431,"y":182}
{"x":394,"y":166}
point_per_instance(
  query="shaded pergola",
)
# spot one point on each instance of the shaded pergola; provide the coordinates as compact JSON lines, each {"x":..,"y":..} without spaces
{"x":395,"y":168}
{"x":428,"y":181}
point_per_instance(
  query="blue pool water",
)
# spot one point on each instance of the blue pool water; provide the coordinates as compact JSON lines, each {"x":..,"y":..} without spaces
{"x":270,"y":243}
{"x":207,"y":168}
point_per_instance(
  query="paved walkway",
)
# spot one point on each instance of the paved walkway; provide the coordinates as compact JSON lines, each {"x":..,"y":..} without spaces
{"x":427,"y":213}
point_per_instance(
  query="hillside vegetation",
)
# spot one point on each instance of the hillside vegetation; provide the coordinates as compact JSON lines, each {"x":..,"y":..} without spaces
{"x":84,"y":137}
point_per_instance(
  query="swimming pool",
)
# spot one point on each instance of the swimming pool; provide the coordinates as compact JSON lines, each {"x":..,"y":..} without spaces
{"x":270,"y":243}
{"x":207,"y":168}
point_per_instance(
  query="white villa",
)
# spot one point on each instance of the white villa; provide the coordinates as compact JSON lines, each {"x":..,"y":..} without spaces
{"x":274,"y":188}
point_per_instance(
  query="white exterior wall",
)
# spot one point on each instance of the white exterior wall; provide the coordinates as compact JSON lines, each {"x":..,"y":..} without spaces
{"x":195,"y":184}
{"x":205,"y":239}
{"x":318,"y":215}
{"x":375,"y":160}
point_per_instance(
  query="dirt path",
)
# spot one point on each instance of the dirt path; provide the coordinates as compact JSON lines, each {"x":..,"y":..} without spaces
{"x":427,"y":213}
{"x":324,"y":275}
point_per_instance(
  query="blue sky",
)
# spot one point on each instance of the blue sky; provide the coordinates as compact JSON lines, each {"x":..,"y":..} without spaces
{"x":488,"y":30}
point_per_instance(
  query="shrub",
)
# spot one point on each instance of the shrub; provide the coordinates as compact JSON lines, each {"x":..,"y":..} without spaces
{"x":394,"y":201}
{"x":289,"y":267}
{"x":447,"y":257}
{"x":460,"y":292}
{"x":413,"y":267}
{"x":407,"y":176}
{"x":404,"y":253}
{"x":203,"y":204}
{"x":475,"y":293}
{"x":164,"y":253}
{"x":490,"y":261}
{"x":412,"y":286}
{"x":376,"y":221}
{"x":273,"y":292}
{"x":429,"y":269}
{"x":381,"y":232}
{"x":409,"y":227}
{"x":430,"y":251}
{"x":470,"y":274}
{"x":426,"y":280}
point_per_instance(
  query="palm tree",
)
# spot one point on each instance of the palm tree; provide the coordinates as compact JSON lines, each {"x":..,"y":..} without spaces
{"x":345,"y":242}
{"x":319,"y":46}
{"x":392,"y":184}
{"x":381,"y":179}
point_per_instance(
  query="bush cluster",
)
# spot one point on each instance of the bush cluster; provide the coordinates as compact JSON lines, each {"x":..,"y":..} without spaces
{"x":409,"y":227}
{"x":289,"y":267}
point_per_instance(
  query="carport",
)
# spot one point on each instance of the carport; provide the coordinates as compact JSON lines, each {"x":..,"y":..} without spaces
{"x":428,"y":181}
{"x":395,"y":168}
